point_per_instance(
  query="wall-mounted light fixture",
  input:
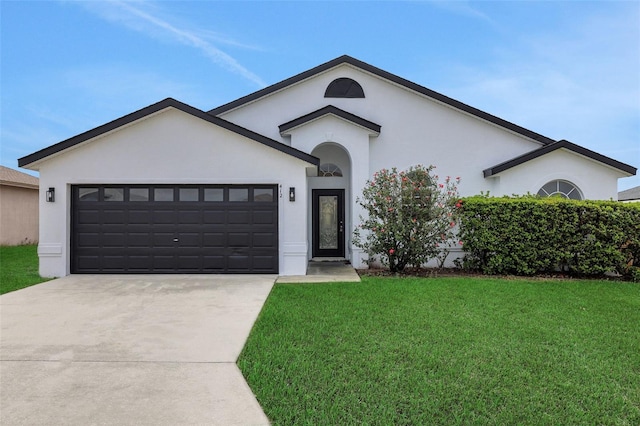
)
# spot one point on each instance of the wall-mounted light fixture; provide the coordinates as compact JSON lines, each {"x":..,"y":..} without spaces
{"x":51,"y":195}
{"x":292,"y":194}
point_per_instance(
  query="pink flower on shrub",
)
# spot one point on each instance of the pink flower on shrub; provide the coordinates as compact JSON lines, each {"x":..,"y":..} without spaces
{"x":441,"y":185}
{"x":452,"y":224}
{"x":460,"y":242}
{"x":391,"y":251}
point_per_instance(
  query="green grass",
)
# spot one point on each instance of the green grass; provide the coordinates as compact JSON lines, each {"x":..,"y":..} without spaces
{"x":448,"y":351}
{"x":18,"y":268}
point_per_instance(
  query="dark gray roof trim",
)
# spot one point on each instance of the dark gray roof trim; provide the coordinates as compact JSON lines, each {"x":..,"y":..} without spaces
{"x":392,"y":77}
{"x":552,"y":147}
{"x":151,"y":109}
{"x":330,"y":109}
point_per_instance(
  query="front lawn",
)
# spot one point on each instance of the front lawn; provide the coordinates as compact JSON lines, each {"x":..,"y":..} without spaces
{"x":18,"y":267}
{"x":448,"y":351}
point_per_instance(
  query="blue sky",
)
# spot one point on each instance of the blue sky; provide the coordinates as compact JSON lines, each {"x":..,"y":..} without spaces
{"x":568,"y":70}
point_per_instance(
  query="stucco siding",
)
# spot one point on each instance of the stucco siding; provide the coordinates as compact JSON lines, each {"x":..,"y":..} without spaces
{"x":18,"y":215}
{"x":595,"y":181}
{"x":177,"y":148}
{"x":415,"y":129}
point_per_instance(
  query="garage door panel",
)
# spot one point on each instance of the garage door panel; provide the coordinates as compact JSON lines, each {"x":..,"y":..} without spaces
{"x":116,"y":239}
{"x":139,"y":263}
{"x":87,"y":217}
{"x":264,"y":217}
{"x":140,"y":216}
{"x":112,"y":263}
{"x":140,"y":239}
{"x":189,"y":217}
{"x":239,"y":217}
{"x":189,"y":240}
{"x":239,"y":239}
{"x":264,"y":239}
{"x":238,"y":263}
{"x":202,"y":231}
{"x":264,"y":263}
{"x":214,"y":239}
{"x":88,"y":240}
{"x":163,"y":239}
{"x":214,"y":217}
{"x":90,"y":263}
{"x":114,"y":217}
{"x":164,"y":217}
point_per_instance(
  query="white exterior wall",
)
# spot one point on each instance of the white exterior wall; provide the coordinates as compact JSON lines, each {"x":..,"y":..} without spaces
{"x":592,"y":179}
{"x":171,"y":147}
{"x":415,"y":129}
{"x":356,"y":141}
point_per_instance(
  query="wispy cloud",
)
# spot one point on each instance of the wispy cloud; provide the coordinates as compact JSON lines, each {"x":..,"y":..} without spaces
{"x":144,"y":17}
{"x":580,"y":82}
{"x":463,"y":8}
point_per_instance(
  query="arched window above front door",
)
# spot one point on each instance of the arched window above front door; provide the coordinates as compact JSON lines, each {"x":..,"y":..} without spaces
{"x":329,"y":170}
{"x":560,"y":188}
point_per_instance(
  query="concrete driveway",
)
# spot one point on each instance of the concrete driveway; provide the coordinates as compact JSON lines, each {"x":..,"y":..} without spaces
{"x":150,"y":349}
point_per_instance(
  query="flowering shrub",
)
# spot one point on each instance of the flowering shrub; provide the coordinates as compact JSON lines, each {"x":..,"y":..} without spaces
{"x":411,"y":216}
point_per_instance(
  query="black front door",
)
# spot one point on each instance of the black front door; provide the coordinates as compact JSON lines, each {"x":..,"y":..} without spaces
{"x":328,"y":222}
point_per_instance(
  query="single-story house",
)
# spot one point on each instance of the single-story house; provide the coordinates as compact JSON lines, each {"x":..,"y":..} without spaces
{"x":631,"y":195}
{"x":18,"y":207}
{"x":269,"y":181}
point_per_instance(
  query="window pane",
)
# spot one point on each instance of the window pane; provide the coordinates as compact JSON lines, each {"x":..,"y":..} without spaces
{"x":551,"y":187}
{"x":263,"y":194}
{"x":163,"y":194}
{"x":565,"y":187}
{"x":188,"y":194}
{"x":214,"y":194}
{"x":114,"y":194}
{"x":239,"y":194}
{"x":575,"y":195}
{"x":88,"y":194}
{"x":139,"y":194}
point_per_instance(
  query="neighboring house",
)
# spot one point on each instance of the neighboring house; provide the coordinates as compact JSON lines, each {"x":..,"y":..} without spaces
{"x":18,"y":208}
{"x":266,"y":182}
{"x":631,"y":195}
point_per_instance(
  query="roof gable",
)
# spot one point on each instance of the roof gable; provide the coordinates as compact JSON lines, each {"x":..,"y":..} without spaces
{"x":153,"y":109}
{"x":345,"y":59}
{"x":330,"y":110}
{"x":492,"y":171}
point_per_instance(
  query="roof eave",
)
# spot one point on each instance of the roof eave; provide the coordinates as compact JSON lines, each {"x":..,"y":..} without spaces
{"x":369,"y":126}
{"x":32,"y":160}
{"x":562,"y":144}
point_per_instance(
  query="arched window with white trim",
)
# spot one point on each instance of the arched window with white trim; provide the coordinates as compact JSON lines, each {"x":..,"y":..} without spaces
{"x":329,"y":170}
{"x":561,"y":188}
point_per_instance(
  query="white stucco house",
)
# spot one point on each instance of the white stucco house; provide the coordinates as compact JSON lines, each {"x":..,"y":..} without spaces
{"x":269,"y":181}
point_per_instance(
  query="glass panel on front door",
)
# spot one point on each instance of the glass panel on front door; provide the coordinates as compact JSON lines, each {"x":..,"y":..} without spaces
{"x":328,"y":222}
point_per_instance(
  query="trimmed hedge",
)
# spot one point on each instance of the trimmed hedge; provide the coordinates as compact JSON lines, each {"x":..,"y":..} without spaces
{"x":529,"y":235}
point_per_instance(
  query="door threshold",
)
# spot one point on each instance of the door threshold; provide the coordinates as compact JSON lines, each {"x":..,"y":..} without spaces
{"x":329,"y":259}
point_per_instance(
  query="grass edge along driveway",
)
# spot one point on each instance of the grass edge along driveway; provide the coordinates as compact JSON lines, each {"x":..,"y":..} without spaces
{"x":19,"y":267}
{"x":448,"y":351}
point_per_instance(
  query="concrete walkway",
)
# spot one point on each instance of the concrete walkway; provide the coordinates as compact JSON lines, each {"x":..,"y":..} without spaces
{"x":125,"y":350}
{"x":323,"y":272}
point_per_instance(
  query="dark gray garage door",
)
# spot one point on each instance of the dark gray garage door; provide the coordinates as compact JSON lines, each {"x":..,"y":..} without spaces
{"x":174,"y":229}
